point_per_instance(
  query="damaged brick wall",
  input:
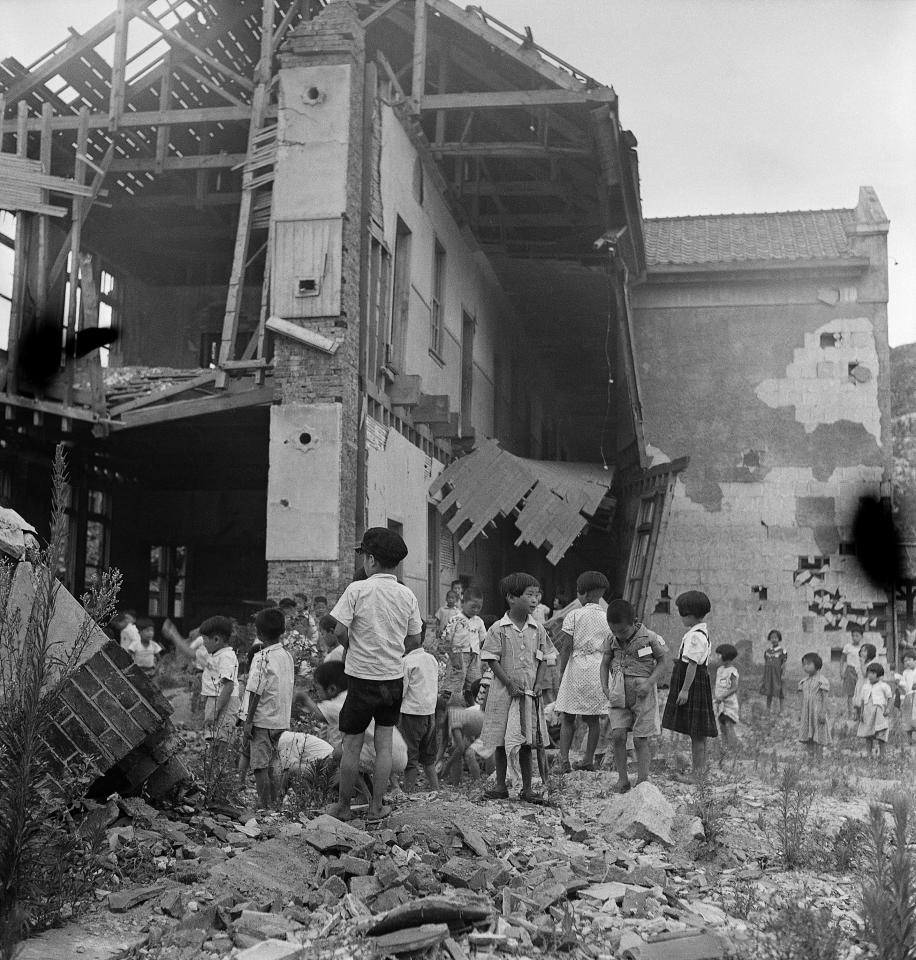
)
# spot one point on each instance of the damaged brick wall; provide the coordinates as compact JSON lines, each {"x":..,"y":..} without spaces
{"x":779,"y":396}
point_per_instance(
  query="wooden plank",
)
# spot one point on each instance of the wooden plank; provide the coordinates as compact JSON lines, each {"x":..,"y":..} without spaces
{"x":20,"y":261}
{"x":44,"y":223}
{"x":89,"y":299}
{"x":418,"y":83}
{"x":156,"y":395}
{"x":502,"y":99}
{"x":182,"y":409}
{"x":118,"y":65}
{"x":209,"y":161}
{"x":441,"y":90}
{"x":518,"y":149}
{"x":180,"y":41}
{"x":163,"y":131}
{"x":210,"y":85}
{"x":285,"y":23}
{"x":148,"y":118}
{"x":302,"y":334}
{"x":378,"y":14}
{"x":76,"y":228}
{"x":49,"y":406}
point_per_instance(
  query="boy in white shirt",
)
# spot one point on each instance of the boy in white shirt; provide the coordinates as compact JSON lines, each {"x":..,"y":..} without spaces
{"x":270,"y":704}
{"x":462,"y":638}
{"x":374,"y":618}
{"x":418,"y":713}
{"x":129,"y":632}
{"x":144,"y":649}
{"x":219,"y":681}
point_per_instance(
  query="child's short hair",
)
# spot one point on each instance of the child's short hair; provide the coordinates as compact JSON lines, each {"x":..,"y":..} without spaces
{"x":270,"y":623}
{"x":385,"y":545}
{"x":473,"y":593}
{"x":621,"y":611}
{"x":870,"y":651}
{"x":323,"y":600}
{"x":591,"y":580}
{"x":144,"y":623}
{"x":776,"y":633}
{"x":727,"y":652}
{"x":451,"y":594}
{"x":875,"y":668}
{"x":301,"y":596}
{"x":217,"y":627}
{"x":855,"y":628}
{"x":908,"y":653}
{"x":286,"y":603}
{"x":331,"y":674}
{"x":693,"y":603}
{"x":327,"y":623}
{"x":814,"y":658}
{"x":515,"y":584}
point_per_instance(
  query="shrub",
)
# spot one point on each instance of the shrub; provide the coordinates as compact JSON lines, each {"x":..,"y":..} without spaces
{"x":313,"y":785}
{"x":794,"y":799}
{"x":45,"y":862}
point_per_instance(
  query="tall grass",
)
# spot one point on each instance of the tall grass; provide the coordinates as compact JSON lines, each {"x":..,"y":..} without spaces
{"x":42,"y":854}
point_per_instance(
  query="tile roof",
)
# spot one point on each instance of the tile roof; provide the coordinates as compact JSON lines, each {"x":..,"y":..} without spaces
{"x":736,"y":237}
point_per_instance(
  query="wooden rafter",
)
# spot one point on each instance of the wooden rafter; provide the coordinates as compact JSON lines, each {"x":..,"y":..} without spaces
{"x":501,"y":99}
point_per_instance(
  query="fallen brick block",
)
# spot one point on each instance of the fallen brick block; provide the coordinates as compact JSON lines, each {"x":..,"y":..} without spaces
{"x":122,"y":900}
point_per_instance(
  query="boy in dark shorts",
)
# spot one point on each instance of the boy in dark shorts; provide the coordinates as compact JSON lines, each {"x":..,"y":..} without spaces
{"x":374,"y":618}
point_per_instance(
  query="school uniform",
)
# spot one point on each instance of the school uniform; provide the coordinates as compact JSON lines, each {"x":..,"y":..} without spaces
{"x":696,"y":717}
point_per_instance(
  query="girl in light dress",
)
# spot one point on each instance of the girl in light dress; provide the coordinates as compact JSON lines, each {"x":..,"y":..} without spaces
{"x":585,"y":631}
{"x":813,"y":727}
{"x":725,"y":695}
{"x":877,"y":698}
{"x":774,"y":661}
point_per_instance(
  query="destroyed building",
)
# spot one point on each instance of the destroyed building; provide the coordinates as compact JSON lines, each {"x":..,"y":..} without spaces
{"x":385,"y":264}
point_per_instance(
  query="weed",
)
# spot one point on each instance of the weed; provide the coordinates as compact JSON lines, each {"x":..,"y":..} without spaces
{"x":744,"y":900}
{"x":847,"y":845}
{"x":794,"y":799}
{"x":710,"y":804}
{"x":311,"y":788}
{"x":888,"y":898}
{"x":215,"y":770}
{"x":799,"y":931}
{"x":46,"y":864}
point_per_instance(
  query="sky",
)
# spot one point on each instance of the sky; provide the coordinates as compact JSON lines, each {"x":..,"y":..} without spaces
{"x":739,"y":106}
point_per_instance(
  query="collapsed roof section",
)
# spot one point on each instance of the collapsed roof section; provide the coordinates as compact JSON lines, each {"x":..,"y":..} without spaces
{"x":551,"y":502}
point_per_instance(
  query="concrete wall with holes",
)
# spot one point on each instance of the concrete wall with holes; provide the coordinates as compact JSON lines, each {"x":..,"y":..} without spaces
{"x":777,"y":390}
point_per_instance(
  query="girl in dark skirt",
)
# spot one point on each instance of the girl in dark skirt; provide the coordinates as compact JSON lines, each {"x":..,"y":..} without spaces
{"x":689,"y":709}
{"x":774,"y":660}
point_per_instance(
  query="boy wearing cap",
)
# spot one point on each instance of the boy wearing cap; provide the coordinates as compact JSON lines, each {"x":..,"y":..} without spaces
{"x":374,"y":618}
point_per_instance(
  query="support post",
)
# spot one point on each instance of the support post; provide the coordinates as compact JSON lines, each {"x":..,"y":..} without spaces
{"x":44,"y":221}
{"x":237,"y":277}
{"x":442,"y":88}
{"x":418,"y":86}
{"x":89,"y":287}
{"x":76,"y":230}
{"x":20,"y":260}
{"x":165,"y":99}
{"x":118,"y":66}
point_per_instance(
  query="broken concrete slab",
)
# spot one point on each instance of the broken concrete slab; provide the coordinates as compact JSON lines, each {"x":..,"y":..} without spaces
{"x":641,"y":814}
{"x":410,"y":940}
{"x":702,"y":946}
{"x":330,"y":835}
{"x":463,"y":872}
{"x":59,"y":945}
{"x":473,"y":839}
{"x":273,"y":950}
{"x":265,"y":926}
{"x":121,"y":900}
{"x":458,"y":913}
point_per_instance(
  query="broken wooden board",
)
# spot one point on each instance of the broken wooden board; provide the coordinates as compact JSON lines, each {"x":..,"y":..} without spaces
{"x":75,"y":940}
{"x":457,"y":913}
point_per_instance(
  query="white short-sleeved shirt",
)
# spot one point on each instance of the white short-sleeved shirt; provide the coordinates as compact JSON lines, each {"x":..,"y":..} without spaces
{"x":335,"y":655}
{"x":541,"y":613}
{"x":461,"y":635}
{"x":481,"y":631}
{"x":129,"y":635}
{"x":908,"y":680}
{"x":851,"y":653}
{"x":421,"y":683}
{"x":695,"y":645}
{"x":299,"y":748}
{"x":272,"y":676}
{"x":220,"y":666}
{"x":144,"y":654}
{"x":380,"y":613}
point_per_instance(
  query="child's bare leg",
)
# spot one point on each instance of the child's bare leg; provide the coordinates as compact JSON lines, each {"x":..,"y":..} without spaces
{"x":432,"y":780}
{"x":881,"y":745}
{"x":567,"y":730}
{"x":769,"y":704}
{"x":383,"y":739}
{"x":349,"y":770}
{"x":698,"y":755}
{"x":643,"y":757}
{"x":502,"y":767}
{"x":619,"y":739}
{"x":473,"y":766}
{"x":524,"y":763}
{"x":592,"y":742}
{"x":410,"y":775}
{"x":274,"y":781}
{"x":262,"y":783}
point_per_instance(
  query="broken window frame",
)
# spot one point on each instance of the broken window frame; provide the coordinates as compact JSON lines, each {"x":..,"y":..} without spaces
{"x":172,"y":581}
{"x":639,"y":565}
{"x":437,"y":302}
{"x":378,"y":315}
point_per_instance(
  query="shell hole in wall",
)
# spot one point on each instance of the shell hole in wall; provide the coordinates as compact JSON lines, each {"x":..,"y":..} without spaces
{"x":305,"y":439}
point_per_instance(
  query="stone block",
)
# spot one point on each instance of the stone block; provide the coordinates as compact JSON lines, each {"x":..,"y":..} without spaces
{"x":365,"y":887}
{"x":273,"y":950}
{"x":641,"y":814}
{"x":265,"y":926}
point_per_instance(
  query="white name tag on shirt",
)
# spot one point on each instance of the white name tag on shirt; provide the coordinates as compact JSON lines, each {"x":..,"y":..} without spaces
{"x":644,"y":652}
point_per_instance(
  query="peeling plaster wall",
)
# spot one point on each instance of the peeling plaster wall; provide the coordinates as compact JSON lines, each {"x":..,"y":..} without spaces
{"x":779,"y":401}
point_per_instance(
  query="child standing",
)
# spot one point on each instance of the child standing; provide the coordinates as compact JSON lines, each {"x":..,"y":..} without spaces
{"x":514,"y":648}
{"x":374,"y":618}
{"x":462,"y":640}
{"x":144,"y":648}
{"x":638,"y":658}
{"x":271,"y":677}
{"x":418,"y":713}
{"x":689,"y":708}
{"x":813,"y":729}
{"x":852,"y":674}
{"x":725,"y":697}
{"x":583,"y":637}
{"x":774,"y":661}
{"x":877,"y":699}
{"x":868,"y":654}
{"x":219,"y":682}
{"x":907,"y":685}
{"x":445,"y":614}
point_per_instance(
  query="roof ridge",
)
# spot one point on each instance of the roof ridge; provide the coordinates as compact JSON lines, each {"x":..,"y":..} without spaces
{"x":756,"y":213}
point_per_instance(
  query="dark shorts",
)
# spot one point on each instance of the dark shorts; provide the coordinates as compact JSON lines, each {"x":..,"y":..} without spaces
{"x":368,"y":700}
{"x":419,"y":734}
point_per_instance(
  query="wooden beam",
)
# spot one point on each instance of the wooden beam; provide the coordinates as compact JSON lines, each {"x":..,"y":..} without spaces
{"x":381,"y":12}
{"x":418,"y":83}
{"x":20,"y":260}
{"x":515,"y":188}
{"x":209,"y":161}
{"x":302,"y":335}
{"x":89,"y":299}
{"x":180,"y":41}
{"x":52,"y":65}
{"x":518,"y":149}
{"x":204,"y":80}
{"x":118,"y":65}
{"x":44,"y":222}
{"x":164,"y":131}
{"x":76,"y":225}
{"x":155,"y":396}
{"x":183,"y":409}
{"x":148,"y":118}
{"x":49,"y":406}
{"x":441,"y":90}
{"x":501,"y":99}
{"x":285,"y":24}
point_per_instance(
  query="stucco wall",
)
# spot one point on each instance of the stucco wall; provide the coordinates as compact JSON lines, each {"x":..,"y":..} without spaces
{"x":778,"y":400}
